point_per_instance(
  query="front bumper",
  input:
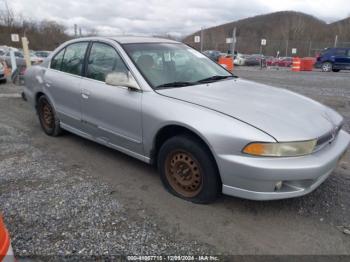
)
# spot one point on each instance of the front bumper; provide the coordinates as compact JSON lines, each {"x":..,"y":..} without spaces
{"x":256,"y":177}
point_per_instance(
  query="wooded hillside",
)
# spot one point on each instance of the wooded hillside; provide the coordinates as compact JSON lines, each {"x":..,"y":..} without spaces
{"x":42,"y":35}
{"x":283,"y":31}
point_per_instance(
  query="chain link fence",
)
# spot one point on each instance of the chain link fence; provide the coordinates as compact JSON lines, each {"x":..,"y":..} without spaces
{"x":245,"y":45}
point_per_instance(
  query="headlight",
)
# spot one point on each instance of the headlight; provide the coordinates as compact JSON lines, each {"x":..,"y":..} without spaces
{"x":281,"y":149}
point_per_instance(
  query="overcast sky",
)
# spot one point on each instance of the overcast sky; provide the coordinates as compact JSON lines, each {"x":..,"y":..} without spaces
{"x":177,"y":17}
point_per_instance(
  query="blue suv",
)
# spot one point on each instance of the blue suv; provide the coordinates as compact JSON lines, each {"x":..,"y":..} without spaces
{"x":334,"y":59}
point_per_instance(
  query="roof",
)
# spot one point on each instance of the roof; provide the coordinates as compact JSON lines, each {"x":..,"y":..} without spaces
{"x":140,"y":39}
{"x":122,"y":39}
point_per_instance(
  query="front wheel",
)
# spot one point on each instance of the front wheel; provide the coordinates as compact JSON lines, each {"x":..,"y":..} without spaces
{"x":327,"y":67}
{"x":188,"y":170}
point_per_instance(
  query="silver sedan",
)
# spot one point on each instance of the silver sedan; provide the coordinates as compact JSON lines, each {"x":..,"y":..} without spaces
{"x":208,"y":131}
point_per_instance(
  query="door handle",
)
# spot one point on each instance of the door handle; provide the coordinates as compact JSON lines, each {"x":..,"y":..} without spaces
{"x":85,"y":93}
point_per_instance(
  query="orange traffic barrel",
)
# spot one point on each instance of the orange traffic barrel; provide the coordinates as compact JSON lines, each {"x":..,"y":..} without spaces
{"x":296,"y":66}
{"x":227,"y":62}
{"x":307,"y":63}
{"x":4,"y":240}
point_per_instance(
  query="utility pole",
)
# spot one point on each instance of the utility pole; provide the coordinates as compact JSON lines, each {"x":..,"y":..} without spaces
{"x":233,"y":41}
{"x":287,"y":44}
{"x":336,"y":41}
{"x":75,"y":30}
{"x":310,"y":44}
{"x":202,"y":39}
{"x":80,"y":34}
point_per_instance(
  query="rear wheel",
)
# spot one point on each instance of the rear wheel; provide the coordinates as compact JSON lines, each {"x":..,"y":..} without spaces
{"x":47,"y":117}
{"x":327,"y":67}
{"x":188,"y":170}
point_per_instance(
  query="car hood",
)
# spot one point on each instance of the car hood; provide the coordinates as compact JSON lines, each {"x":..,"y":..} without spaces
{"x":282,"y":114}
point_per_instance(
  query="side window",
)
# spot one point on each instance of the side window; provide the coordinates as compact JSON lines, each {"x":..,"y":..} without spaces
{"x":73,"y":58}
{"x":340,"y":52}
{"x":56,"y":62}
{"x":18,"y":54}
{"x":104,"y":59}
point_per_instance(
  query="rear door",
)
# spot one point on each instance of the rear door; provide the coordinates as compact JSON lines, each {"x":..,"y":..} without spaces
{"x":62,"y":83}
{"x":112,"y":114}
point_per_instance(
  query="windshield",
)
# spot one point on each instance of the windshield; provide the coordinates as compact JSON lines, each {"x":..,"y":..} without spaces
{"x":171,"y":65}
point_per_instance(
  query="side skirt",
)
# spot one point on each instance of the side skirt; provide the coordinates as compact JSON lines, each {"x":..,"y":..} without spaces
{"x":103,"y":142}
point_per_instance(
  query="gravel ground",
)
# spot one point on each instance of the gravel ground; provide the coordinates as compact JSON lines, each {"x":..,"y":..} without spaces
{"x":52,"y":210}
{"x":69,"y":196}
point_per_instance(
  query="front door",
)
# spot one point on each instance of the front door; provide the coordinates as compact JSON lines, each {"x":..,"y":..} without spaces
{"x":112,"y":114}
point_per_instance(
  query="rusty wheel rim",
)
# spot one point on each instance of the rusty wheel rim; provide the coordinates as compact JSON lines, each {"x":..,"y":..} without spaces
{"x":183,"y":173}
{"x":47,"y":117}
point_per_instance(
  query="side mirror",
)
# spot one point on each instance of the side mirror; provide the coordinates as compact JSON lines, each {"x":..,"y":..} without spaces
{"x":122,"y":79}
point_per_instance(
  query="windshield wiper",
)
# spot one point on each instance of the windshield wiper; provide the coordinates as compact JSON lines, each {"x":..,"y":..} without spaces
{"x":175,"y":84}
{"x":214,"y":78}
{"x":182,"y":83}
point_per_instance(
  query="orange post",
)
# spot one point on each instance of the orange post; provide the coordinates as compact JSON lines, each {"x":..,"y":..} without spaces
{"x":296,"y":67}
{"x":227,"y":62}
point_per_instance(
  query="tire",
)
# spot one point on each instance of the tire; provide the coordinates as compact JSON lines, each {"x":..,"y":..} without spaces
{"x":188,"y":170}
{"x":336,"y":70}
{"x":327,"y":67}
{"x":47,"y":117}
